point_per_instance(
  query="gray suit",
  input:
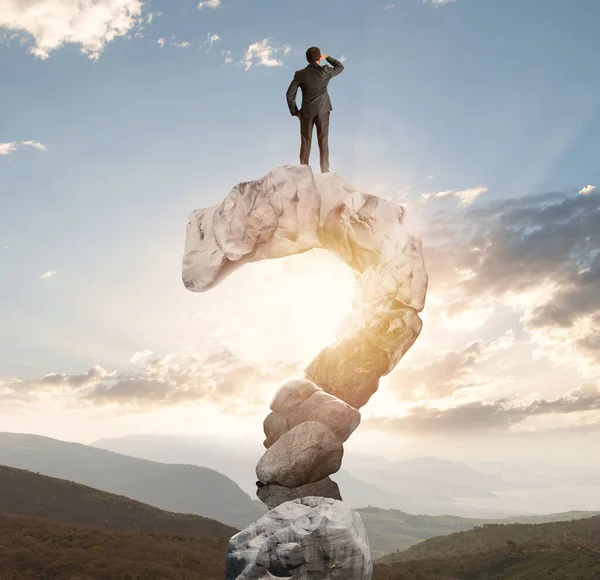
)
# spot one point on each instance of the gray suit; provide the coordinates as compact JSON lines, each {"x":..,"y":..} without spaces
{"x":316,"y":106}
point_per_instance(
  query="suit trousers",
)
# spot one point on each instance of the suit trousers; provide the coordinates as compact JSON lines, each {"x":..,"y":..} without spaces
{"x":306,"y":131}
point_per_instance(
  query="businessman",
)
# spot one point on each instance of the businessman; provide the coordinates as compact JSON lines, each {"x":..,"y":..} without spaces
{"x":316,"y":105}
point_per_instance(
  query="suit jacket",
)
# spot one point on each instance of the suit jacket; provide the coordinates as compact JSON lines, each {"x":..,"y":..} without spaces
{"x":313,"y":81}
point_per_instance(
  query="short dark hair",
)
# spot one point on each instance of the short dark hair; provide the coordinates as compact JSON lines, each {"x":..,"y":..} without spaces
{"x":313,"y":54}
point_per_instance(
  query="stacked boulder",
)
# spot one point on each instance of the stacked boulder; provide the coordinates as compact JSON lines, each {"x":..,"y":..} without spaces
{"x":304,"y":435}
{"x":309,"y":532}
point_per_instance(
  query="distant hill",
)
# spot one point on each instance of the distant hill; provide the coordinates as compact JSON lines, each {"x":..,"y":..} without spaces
{"x":364,"y":480}
{"x":26,"y":493}
{"x":491,"y":537}
{"x":569,"y":563}
{"x":175,"y":488}
{"x":394,"y":530}
{"x":33,"y":549}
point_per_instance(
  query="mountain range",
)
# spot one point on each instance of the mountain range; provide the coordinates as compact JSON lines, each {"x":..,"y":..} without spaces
{"x":177,"y":488}
{"x":425,"y":485}
{"x":87,"y":533}
{"x":194,"y":490}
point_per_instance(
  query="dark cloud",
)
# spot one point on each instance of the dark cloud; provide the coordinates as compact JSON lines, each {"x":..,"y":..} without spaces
{"x":517,"y":245}
{"x":482,"y":416}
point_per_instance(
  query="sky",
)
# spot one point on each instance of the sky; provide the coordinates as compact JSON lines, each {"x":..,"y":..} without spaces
{"x":120,"y":117}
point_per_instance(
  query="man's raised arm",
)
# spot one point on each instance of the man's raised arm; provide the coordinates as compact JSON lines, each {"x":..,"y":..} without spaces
{"x":291,"y":96}
{"x":338,"y":67}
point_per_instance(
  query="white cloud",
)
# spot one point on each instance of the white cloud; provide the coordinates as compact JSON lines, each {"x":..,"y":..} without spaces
{"x":54,"y":23}
{"x":226,"y":54}
{"x":161,"y":42}
{"x":49,"y":274}
{"x":263,"y":54}
{"x":7,"y":148}
{"x":157,"y":380}
{"x":587,"y":190}
{"x":389,"y":6}
{"x":140,"y":356}
{"x":209,"y":39}
{"x":183,"y":44}
{"x":438,"y":2}
{"x":209,"y":4}
{"x":35,"y":145}
{"x":466,"y":196}
{"x":151,"y":16}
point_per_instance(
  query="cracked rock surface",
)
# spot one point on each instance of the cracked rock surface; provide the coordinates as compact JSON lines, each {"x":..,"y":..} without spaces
{"x":312,"y":538}
{"x":291,"y":210}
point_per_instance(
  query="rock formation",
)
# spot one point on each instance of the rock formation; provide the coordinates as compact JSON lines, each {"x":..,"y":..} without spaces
{"x":308,"y":538}
{"x":287,"y":212}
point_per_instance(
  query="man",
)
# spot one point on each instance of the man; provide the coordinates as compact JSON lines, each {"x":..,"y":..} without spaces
{"x":316,"y":105}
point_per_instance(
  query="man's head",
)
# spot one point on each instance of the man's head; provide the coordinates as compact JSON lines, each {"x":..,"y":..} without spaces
{"x":313,"y":55}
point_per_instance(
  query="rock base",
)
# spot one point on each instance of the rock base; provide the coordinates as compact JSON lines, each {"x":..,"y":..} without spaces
{"x":314,"y":538}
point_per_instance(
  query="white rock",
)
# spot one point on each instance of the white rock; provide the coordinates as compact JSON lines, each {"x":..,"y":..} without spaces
{"x":290,"y":211}
{"x":312,"y":538}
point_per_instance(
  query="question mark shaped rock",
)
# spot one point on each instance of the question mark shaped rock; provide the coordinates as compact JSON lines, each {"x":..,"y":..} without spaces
{"x":291,"y":211}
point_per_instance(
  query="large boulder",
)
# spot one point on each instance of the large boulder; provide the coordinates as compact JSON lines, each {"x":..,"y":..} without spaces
{"x":291,"y":394}
{"x":305,"y":454}
{"x":312,"y":538}
{"x":340,"y":417}
{"x":298,"y":401}
{"x":291,"y":210}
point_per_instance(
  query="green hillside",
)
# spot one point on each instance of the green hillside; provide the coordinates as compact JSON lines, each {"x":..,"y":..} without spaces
{"x":31,"y":494}
{"x":568,"y":564}
{"x":175,"y":488}
{"x":393,"y":530}
{"x":491,"y":537}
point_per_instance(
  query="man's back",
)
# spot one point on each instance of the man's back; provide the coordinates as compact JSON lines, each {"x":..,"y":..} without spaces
{"x":313,"y":81}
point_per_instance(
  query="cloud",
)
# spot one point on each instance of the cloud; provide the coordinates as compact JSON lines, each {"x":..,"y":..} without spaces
{"x":161,"y":42}
{"x":449,"y":373}
{"x":7,"y":148}
{"x":49,"y":274}
{"x":154,"y":380}
{"x":539,"y":255}
{"x":209,"y":4}
{"x":389,"y":6}
{"x":486,"y":416}
{"x":263,"y":53}
{"x":51,"y":24}
{"x":212,"y":38}
{"x":466,"y":196}
{"x":220,"y":378}
{"x":226,"y":54}
{"x":438,"y":2}
{"x":587,"y":190}
{"x":151,"y":15}
{"x":51,"y":384}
